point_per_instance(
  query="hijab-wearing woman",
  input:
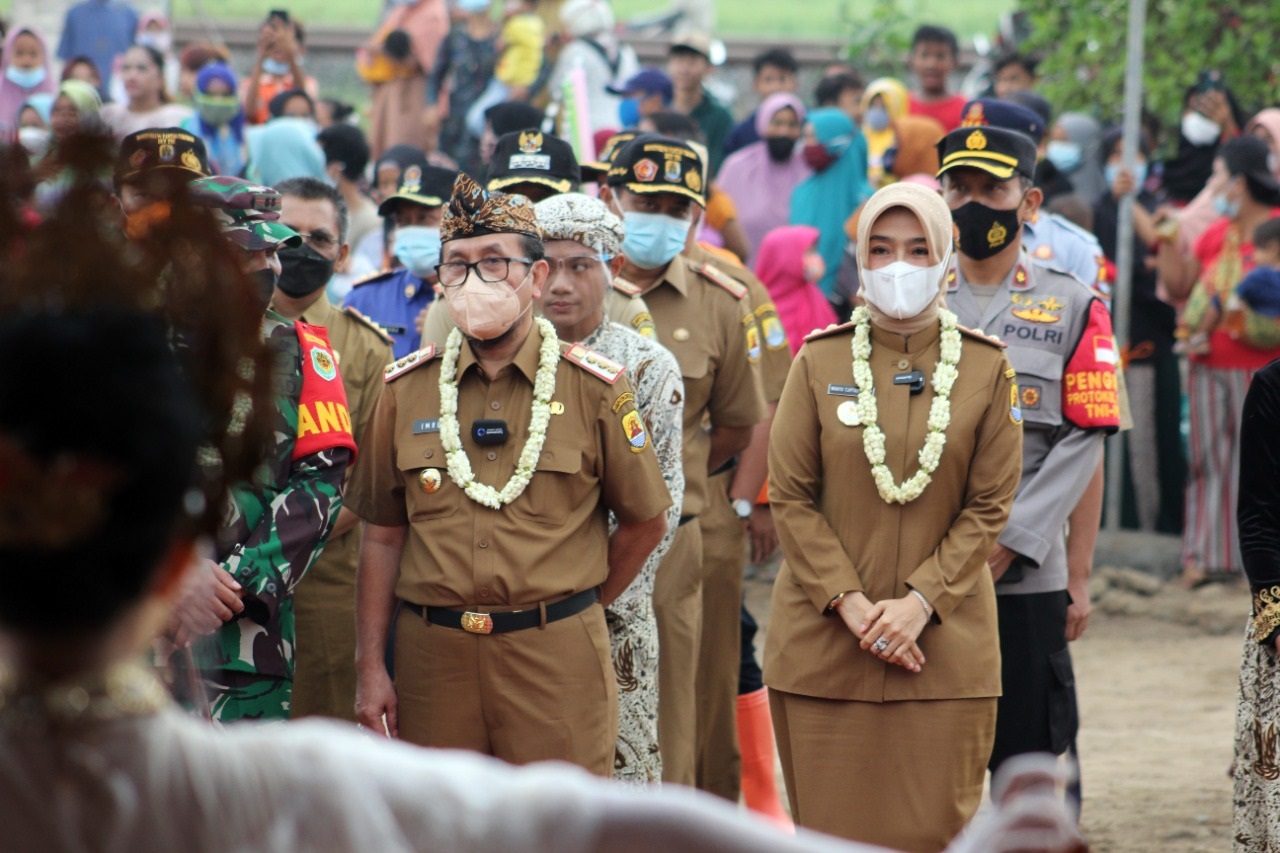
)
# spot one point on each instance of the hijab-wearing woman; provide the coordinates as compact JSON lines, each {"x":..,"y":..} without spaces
{"x":76,"y":110}
{"x":762,"y":176}
{"x":285,"y":148}
{"x":219,"y":119}
{"x":1209,"y":119}
{"x":789,"y":265}
{"x":837,"y":154}
{"x":148,"y":104}
{"x":893,"y":466}
{"x":883,"y":103}
{"x":24,"y":71}
{"x":1074,"y":151}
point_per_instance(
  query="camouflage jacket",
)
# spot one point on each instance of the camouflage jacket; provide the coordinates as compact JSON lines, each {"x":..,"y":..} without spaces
{"x":276,"y":527}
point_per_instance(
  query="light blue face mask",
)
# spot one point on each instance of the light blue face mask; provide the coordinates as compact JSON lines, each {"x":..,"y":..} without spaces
{"x":653,"y":239}
{"x":1112,"y":171}
{"x":629,"y":113}
{"x":1229,"y":209}
{"x":275,"y":66}
{"x":473,"y":6}
{"x":1066,"y":156}
{"x":877,"y":118}
{"x":418,"y":248}
{"x":27,"y":78}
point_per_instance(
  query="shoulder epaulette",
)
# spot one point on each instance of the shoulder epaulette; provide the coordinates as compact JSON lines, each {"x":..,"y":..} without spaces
{"x":366,"y":322}
{"x":625,"y":287}
{"x":414,"y":359}
{"x":990,"y":340}
{"x":833,"y":329}
{"x":718,"y":276}
{"x":594,"y":363}
{"x":373,"y":276}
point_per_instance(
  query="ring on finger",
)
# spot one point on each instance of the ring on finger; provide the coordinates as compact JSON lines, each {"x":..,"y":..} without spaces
{"x":880,"y":645}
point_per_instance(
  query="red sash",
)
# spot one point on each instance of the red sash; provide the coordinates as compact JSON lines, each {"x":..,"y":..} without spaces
{"x":323,"y":419}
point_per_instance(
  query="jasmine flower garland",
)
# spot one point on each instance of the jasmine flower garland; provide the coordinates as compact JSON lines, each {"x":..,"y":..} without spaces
{"x":544,"y":385}
{"x":944,"y":377}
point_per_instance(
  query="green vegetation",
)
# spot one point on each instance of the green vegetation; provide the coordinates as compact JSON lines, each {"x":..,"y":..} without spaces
{"x":822,"y":19}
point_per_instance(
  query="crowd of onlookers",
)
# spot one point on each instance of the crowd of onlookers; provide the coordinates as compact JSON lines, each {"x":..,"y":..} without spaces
{"x":447,"y":78}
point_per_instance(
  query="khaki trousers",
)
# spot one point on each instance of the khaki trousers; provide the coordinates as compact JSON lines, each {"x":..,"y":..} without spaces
{"x":677,"y":604}
{"x":324,"y":680}
{"x":534,"y":695}
{"x":902,"y":775}
{"x":724,"y":557}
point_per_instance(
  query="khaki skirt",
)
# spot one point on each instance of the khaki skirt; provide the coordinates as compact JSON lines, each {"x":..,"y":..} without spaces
{"x":903,"y":775}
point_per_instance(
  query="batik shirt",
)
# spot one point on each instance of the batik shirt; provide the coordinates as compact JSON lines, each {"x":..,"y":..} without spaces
{"x":633,"y":633}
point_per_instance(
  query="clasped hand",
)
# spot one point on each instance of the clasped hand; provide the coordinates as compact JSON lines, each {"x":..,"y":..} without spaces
{"x":899,"y":621}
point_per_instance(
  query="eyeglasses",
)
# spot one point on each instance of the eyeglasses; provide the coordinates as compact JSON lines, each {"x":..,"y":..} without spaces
{"x":319,"y":240}
{"x":490,"y":270}
{"x":576,"y":265}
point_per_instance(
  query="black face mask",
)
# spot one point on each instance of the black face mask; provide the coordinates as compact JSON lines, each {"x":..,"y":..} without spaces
{"x":984,"y":231}
{"x":303,"y":271}
{"x":265,"y":282}
{"x":780,"y":148}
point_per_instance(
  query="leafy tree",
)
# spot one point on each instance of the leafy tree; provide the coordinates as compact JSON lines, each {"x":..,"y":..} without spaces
{"x":1083,"y":45}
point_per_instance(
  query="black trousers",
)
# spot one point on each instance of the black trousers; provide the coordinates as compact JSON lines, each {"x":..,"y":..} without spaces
{"x":1037,"y":711}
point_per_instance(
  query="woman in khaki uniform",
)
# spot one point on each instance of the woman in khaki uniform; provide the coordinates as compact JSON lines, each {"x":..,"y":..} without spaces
{"x":893,"y":465}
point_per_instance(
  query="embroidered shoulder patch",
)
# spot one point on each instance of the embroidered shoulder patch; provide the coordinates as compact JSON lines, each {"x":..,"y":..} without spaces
{"x":594,"y":363}
{"x":719,"y":277}
{"x":368,"y":324}
{"x":414,"y":359}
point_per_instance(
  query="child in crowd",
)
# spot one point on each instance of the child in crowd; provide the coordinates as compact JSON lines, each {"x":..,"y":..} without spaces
{"x":934,"y":52}
{"x":1258,"y":292}
{"x":520,"y":46}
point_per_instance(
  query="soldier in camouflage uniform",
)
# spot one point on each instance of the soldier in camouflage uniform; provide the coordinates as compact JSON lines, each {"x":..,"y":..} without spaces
{"x":277,"y":524}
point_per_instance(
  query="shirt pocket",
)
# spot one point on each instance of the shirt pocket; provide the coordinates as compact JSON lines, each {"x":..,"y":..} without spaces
{"x":430,"y":492}
{"x":557,"y":486}
{"x":1039,"y":384}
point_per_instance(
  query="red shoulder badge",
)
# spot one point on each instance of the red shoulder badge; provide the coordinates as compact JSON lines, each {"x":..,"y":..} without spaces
{"x":719,"y":277}
{"x":1090,"y":391}
{"x":594,"y":363}
{"x":414,"y":359}
{"x":323,"y":419}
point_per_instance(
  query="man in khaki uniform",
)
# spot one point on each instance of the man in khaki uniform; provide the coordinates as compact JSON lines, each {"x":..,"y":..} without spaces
{"x":706,"y":320}
{"x":325,"y":675}
{"x":500,"y":570}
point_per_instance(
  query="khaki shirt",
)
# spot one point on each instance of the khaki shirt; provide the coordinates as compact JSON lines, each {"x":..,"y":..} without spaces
{"x":775,"y":351}
{"x":622,"y":304}
{"x":838,"y":535}
{"x":363,"y":350}
{"x":708,"y":328}
{"x":550,"y":542}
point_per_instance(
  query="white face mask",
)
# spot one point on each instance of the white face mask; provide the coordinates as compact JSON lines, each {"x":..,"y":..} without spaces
{"x":902,"y":290}
{"x":1199,"y":130}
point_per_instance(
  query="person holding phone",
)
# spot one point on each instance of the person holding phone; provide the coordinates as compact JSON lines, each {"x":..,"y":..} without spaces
{"x":277,"y":65}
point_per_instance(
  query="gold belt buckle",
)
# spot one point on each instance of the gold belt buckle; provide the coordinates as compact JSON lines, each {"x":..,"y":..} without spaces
{"x":477,"y":623}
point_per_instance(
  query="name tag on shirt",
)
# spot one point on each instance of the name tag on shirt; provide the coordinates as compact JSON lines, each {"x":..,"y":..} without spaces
{"x":423,"y":427}
{"x":843,"y":390}
{"x":394,"y":330}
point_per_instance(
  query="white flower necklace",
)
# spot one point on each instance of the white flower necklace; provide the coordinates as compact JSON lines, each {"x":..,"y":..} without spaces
{"x":544,"y":385}
{"x":944,"y":377}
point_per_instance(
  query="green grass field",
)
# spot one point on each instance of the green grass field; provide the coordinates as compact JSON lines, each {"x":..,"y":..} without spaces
{"x":799,"y":19}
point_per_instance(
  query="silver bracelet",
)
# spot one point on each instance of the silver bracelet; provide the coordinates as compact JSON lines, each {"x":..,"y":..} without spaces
{"x":924,"y":602}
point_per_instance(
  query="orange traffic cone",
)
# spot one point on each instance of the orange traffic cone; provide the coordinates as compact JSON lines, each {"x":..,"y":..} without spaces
{"x":755,"y":741}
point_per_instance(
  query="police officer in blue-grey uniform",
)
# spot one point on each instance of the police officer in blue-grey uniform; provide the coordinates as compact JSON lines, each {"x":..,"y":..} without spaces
{"x":1060,"y":343}
{"x":1051,"y":240}
{"x":397,"y":297}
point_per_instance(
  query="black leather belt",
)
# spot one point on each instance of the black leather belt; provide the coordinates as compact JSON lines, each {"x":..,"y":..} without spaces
{"x":501,"y":623}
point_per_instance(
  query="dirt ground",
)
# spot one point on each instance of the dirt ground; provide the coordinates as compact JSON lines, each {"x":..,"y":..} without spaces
{"x":1156,"y":674}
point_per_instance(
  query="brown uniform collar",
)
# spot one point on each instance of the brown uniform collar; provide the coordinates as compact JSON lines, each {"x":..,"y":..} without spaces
{"x":320,"y":313}
{"x":917,"y":343}
{"x":526,"y":360}
{"x":676,"y":275}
